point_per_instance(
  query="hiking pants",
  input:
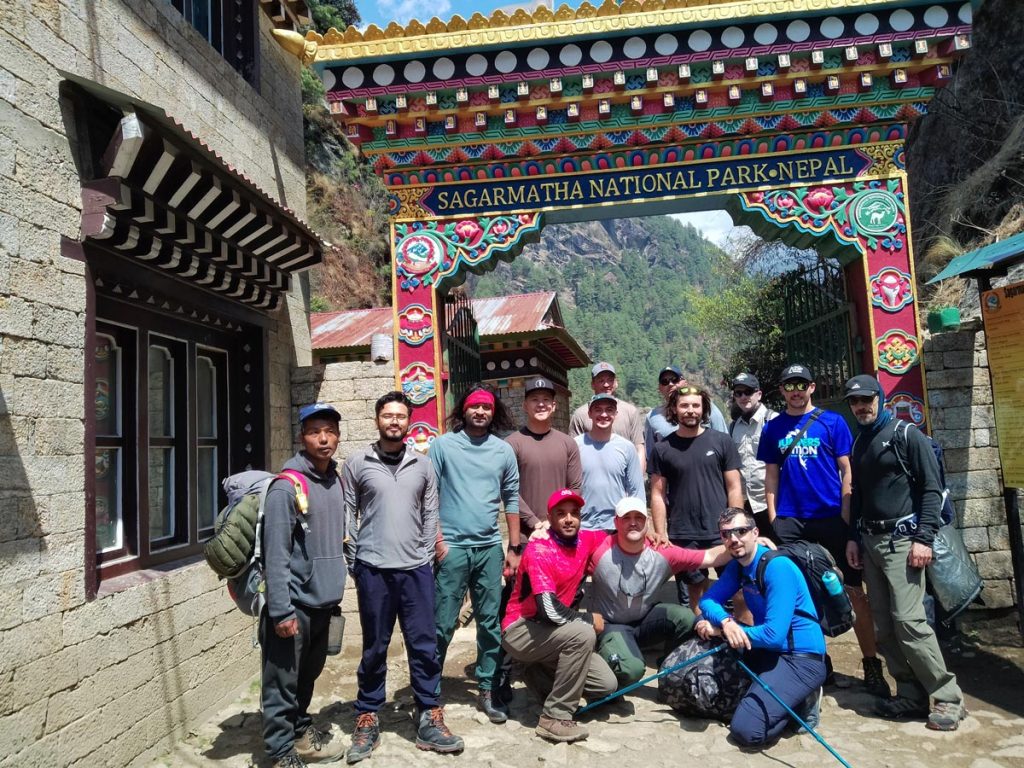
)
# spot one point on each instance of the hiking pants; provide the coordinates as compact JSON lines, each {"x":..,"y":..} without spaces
{"x":759,"y":719}
{"x":384,"y":595}
{"x":291,"y":666}
{"x":561,"y":665}
{"x":907,"y":643}
{"x":664,"y":627}
{"x":478,"y":570}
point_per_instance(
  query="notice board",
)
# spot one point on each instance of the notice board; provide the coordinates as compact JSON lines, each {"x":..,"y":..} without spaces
{"x":1003,"y":312}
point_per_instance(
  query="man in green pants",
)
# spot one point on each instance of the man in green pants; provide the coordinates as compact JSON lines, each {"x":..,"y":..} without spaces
{"x":896,"y":515}
{"x":477,"y":476}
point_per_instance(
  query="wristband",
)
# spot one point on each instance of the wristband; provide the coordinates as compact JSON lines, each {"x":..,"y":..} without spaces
{"x":516,"y":549}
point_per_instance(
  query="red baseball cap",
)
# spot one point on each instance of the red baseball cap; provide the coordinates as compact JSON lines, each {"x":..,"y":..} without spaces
{"x":566,"y":494}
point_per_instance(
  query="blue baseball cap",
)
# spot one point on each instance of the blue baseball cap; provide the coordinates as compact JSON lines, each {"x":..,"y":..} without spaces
{"x":325,"y":410}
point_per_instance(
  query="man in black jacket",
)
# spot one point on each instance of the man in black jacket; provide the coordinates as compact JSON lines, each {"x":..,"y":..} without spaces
{"x":896,"y":516}
{"x":305,"y":575}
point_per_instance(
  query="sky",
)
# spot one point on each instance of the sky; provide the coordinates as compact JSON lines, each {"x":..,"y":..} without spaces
{"x":716,"y":226}
{"x":382,"y":12}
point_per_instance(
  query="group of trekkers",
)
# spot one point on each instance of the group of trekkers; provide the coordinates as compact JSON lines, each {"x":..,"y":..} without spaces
{"x":418,"y":533}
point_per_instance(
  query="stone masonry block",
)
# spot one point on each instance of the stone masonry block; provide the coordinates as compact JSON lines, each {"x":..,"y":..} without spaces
{"x":16,"y":436}
{"x":42,"y":397}
{"x":23,"y":357}
{"x":975,"y":539}
{"x":336,"y":391}
{"x":54,"y":594}
{"x":983,"y":512}
{"x":963,"y":358}
{"x":998,"y":593}
{"x":22,"y":558}
{"x":982,"y":416}
{"x":958,"y":377}
{"x":308,"y":374}
{"x":946,"y":398}
{"x":59,"y":437}
{"x":964,"y":459}
{"x":365,"y":429}
{"x":983,"y":438}
{"x":38,"y":680}
{"x":369,"y":388}
{"x":994,"y":565}
{"x":65,"y":364}
{"x":952,"y":438}
{"x":29,"y":641}
{"x":981,"y":358}
{"x":973,"y":485}
{"x":15,"y":316}
{"x":947,"y":342}
{"x":35,"y":281}
{"x":58,"y":326}
{"x":20,"y":729}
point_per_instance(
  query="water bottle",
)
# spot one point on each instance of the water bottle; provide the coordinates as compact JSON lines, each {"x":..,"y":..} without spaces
{"x":335,"y":632}
{"x":832,"y":583}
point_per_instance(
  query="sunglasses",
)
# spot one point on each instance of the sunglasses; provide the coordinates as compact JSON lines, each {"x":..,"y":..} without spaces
{"x":688,"y":390}
{"x":742,"y":392}
{"x":796,"y":386}
{"x":667,"y":382}
{"x":735,"y":533}
{"x":860,"y":400}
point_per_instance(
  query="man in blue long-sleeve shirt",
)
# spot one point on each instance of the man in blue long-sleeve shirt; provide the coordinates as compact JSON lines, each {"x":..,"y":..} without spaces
{"x":785,"y":646}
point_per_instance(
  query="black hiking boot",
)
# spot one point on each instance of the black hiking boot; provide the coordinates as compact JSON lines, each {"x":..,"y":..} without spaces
{"x":433,"y":735}
{"x":365,"y":738}
{"x":874,"y":680}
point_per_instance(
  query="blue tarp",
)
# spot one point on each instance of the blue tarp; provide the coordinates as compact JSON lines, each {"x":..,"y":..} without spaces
{"x":1001,"y":254}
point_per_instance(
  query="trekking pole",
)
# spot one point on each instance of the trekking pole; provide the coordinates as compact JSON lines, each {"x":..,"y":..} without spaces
{"x":797,"y":717}
{"x":646,"y":680}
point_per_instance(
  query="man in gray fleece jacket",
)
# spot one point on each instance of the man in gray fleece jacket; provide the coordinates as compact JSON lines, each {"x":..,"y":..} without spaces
{"x":304,"y":565}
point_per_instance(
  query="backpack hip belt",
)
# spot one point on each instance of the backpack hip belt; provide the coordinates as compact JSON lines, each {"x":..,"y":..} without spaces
{"x":892,"y":525}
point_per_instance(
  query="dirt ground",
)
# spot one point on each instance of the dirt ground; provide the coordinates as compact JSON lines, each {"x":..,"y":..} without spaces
{"x":641,"y":731}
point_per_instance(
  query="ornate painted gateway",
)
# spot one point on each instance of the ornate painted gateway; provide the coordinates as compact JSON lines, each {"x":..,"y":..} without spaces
{"x":792,"y":113}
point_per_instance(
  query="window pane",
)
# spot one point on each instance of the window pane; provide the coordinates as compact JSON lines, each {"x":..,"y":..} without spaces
{"x":161,"y":392}
{"x":201,"y":18}
{"x":108,"y":499}
{"x":161,"y":493}
{"x":206,"y":397}
{"x":206,"y":469}
{"x":108,"y":387}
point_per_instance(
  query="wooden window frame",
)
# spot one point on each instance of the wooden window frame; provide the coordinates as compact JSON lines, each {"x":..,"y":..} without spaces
{"x":234,"y":27}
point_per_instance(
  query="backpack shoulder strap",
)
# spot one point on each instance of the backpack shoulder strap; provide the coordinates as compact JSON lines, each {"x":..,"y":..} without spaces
{"x":762,"y":564}
{"x":899,"y":447}
{"x":803,"y":431}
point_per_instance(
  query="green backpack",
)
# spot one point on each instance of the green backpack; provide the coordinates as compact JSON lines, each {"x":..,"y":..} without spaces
{"x":234,"y":551}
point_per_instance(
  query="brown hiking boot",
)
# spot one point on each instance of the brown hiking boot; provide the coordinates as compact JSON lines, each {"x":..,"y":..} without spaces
{"x":318,"y":746}
{"x":560,"y":730}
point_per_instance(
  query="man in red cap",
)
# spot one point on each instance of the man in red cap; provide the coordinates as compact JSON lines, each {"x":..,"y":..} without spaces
{"x":543,"y":630}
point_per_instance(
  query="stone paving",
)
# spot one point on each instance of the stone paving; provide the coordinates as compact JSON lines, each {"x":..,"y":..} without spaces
{"x":641,"y":731}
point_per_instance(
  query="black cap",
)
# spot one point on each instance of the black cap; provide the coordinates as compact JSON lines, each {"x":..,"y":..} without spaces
{"x":674,"y":370}
{"x":746,"y":380}
{"x":796,"y":371}
{"x":539,"y":382}
{"x":863,"y":386}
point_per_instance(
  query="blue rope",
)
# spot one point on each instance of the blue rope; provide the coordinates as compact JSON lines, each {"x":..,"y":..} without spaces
{"x":797,"y":717}
{"x":646,"y":680}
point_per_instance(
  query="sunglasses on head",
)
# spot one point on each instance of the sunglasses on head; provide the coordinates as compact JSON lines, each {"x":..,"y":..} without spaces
{"x":742,"y":392}
{"x":796,"y":386}
{"x":667,"y":381}
{"x":735,"y":533}
{"x":688,"y":390}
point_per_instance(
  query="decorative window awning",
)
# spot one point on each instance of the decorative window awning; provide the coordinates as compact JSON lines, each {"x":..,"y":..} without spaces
{"x":994,"y":258}
{"x":166,"y":200}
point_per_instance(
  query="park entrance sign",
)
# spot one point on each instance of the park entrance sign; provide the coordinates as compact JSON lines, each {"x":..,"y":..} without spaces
{"x":791,"y":113}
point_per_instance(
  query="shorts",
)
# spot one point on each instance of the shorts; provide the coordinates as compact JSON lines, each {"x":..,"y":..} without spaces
{"x":695,"y":577}
{"x":831,"y":532}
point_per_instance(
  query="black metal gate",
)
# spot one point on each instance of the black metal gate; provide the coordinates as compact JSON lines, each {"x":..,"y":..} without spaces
{"x":461,"y":347}
{"x":817,"y":329}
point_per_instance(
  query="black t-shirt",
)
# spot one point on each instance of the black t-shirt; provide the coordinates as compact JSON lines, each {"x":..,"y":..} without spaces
{"x":693,"y":469}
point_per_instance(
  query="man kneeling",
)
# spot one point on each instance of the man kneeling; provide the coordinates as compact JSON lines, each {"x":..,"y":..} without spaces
{"x":542,"y":630}
{"x":787,"y":647}
{"x":627,"y":573}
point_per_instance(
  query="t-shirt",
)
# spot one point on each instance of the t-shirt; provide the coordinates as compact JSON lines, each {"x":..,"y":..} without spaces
{"x":624,"y":586}
{"x":476,"y":476}
{"x":550,"y":566}
{"x":611,"y":471}
{"x":809,"y":482}
{"x":628,"y":422}
{"x":545,"y":465}
{"x":657,"y":427}
{"x":693,"y":468}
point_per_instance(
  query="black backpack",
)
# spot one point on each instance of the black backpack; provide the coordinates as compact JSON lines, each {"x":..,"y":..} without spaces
{"x":899,"y":447}
{"x":710,"y":688}
{"x":835,"y":612}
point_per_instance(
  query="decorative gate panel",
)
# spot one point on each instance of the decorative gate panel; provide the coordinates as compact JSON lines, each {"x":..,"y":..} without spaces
{"x":461,"y":342}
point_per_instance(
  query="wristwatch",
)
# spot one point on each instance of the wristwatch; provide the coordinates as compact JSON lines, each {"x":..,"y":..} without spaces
{"x":516,"y":549}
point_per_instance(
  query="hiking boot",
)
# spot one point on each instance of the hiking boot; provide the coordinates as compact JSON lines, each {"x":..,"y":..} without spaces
{"x":830,"y":674}
{"x":496,"y":711}
{"x":291,"y":760}
{"x":946,"y":716}
{"x":318,"y":746}
{"x":365,"y":738}
{"x":810,"y":712}
{"x":433,"y":734}
{"x":874,"y":680}
{"x":896,"y":707}
{"x":560,"y":730}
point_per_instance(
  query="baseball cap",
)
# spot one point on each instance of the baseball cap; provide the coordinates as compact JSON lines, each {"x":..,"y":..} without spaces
{"x":602,"y":368}
{"x":318,"y":409}
{"x":863,"y":386}
{"x":631,"y":504}
{"x":674,"y":370}
{"x":602,"y":396}
{"x":565,"y":494}
{"x":746,"y":380}
{"x":796,"y":372}
{"x":538,"y":383}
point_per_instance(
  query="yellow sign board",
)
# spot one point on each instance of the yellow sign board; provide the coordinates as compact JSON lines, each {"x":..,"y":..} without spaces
{"x":1003,"y":311}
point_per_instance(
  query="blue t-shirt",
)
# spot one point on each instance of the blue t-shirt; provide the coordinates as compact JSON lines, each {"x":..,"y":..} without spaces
{"x":774,"y":612}
{"x":810,"y":485}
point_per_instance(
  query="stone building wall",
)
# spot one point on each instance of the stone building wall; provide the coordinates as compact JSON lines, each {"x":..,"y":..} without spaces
{"x":963,"y":422}
{"x":512,"y":394}
{"x":116,"y":680}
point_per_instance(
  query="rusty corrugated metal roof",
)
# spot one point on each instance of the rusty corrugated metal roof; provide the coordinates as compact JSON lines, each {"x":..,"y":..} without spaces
{"x":497,"y":316}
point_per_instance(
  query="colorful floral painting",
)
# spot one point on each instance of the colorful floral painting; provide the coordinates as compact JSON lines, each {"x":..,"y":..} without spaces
{"x":415,"y":325}
{"x":418,"y":383}
{"x":897,"y":352}
{"x":891,"y":289}
{"x":420,"y":436}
